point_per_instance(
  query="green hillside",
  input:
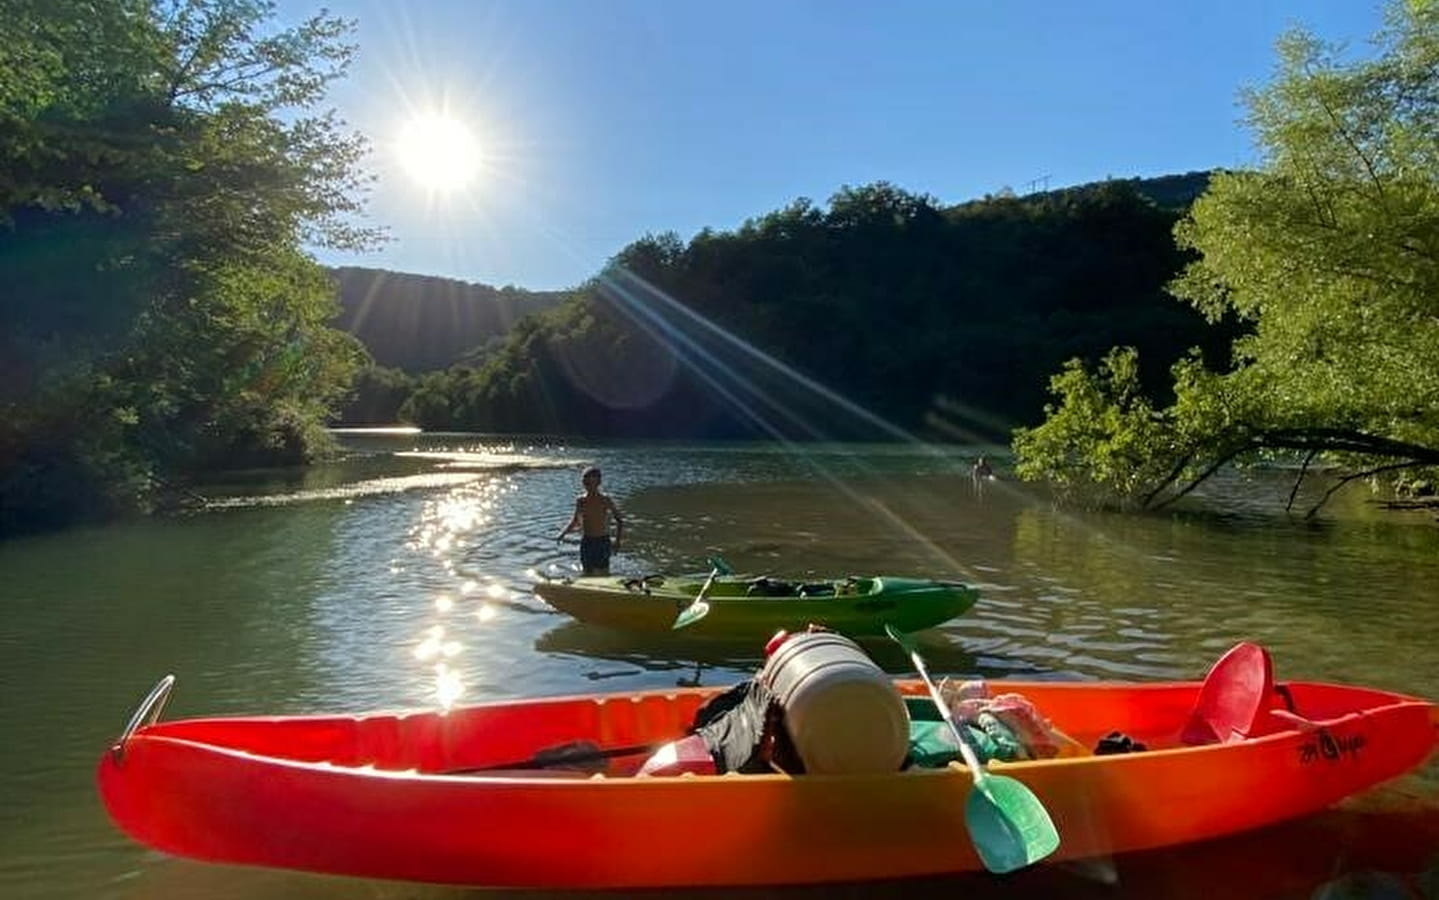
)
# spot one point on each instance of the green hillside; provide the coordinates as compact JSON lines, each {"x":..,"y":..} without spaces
{"x":884,"y":298}
{"x":417,"y":323}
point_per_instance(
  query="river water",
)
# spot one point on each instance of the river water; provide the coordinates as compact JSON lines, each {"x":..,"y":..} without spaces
{"x":401,"y":577}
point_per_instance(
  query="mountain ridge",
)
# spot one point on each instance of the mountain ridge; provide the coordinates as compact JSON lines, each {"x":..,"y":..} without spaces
{"x":420,"y":323}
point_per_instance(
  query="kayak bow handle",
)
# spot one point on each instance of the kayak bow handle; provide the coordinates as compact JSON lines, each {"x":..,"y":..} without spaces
{"x":146,"y":714}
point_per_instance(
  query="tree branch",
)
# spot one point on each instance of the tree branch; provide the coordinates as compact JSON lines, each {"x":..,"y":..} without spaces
{"x":1346,"y":440}
{"x":238,"y":76}
{"x":1203,"y":476}
{"x":1312,"y":440}
{"x":1168,"y":480}
{"x":1392,"y":467}
{"x":1300,"y":480}
{"x":1354,"y":146}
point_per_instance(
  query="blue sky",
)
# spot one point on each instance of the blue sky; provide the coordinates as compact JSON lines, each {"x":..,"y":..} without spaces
{"x":602,"y":120}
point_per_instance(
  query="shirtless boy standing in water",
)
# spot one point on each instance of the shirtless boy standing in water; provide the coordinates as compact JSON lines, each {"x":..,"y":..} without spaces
{"x":592,"y":515}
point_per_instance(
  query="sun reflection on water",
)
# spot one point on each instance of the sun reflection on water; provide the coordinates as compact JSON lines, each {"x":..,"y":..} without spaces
{"x":448,"y":686}
{"x":429,"y":648}
{"x":447,"y":532}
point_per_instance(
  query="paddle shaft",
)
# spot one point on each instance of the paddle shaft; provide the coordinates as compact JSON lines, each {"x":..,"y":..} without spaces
{"x":970,"y":758}
{"x":542,"y":761}
{"x":704,"y":588}
{"x":1007,"y":823}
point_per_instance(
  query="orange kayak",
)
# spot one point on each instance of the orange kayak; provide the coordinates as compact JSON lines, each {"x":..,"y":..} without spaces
{"x":397,"y":795}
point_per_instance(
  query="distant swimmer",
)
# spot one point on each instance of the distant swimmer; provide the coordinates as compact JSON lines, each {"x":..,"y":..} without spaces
{"x":982,"y":469}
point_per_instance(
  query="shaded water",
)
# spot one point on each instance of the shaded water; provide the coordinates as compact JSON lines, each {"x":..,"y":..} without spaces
{"x":403,"y":580}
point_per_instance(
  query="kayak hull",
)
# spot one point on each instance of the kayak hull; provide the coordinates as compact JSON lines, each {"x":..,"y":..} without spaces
{"x":364,"y":795}
{"x":908,"y":604}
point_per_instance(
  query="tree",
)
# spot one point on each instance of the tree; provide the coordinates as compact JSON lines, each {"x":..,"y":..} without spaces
{"x":163,"y":166}
{"x":1329,"y":251}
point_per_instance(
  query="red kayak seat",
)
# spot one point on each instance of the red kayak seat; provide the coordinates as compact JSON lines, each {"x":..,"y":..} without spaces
{"x":1235,"y":699}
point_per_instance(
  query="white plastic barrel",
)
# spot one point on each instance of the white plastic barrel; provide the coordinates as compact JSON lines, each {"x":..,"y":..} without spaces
{"x":842,"y":712}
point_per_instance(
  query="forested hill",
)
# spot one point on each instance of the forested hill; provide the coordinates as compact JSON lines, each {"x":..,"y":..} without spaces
{"x":948,"y":320}
{"x":1171,"y":192}
{"x":419,"y":322}
{"x":1176,"y":192}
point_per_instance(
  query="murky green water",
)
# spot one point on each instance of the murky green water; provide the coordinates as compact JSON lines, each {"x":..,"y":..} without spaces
{"x":404,"y":581}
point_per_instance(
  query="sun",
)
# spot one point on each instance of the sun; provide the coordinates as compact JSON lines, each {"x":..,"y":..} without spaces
{"x":439,"y":152}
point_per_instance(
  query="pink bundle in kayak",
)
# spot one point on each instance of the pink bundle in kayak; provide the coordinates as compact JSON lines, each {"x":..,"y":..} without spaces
{"x":1018,"y":720}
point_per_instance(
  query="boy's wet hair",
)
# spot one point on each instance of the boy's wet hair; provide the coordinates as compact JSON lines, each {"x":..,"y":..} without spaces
{"x":592,"y":470}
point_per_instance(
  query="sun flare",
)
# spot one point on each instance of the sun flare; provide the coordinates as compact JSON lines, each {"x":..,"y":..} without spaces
{"x":438,"y":152}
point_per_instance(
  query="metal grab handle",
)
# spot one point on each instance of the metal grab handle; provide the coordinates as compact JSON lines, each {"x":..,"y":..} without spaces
{"x":147,"y":713}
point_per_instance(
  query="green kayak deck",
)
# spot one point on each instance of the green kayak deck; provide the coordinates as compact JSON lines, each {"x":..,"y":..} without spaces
{"x":746,"y":606}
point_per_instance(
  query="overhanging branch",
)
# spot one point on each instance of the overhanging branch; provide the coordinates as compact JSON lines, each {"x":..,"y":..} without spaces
{"x":1204,"y":476}
{"x":1300,"y":480}
{"x":1168,"y":480}
{"x":1346,"y":441}
{"x":1311,"y":441}
{"x":1392,"y":467}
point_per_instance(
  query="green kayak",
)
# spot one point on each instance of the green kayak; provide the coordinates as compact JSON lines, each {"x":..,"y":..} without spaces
{"x":746,"y":606}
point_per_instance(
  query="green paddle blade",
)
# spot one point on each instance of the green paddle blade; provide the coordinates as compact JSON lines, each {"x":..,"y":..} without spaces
{"x":699,"y":608}
{"x":1009,"y":827}
{"x":691,"y":614}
